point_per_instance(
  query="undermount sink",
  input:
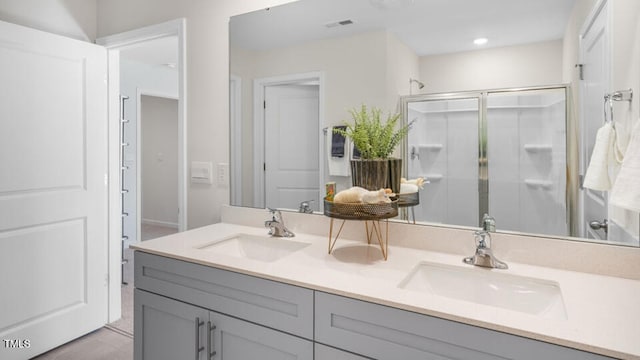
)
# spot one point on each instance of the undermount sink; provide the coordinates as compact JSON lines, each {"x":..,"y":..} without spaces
{"x":488,"y":287}
{"x":262,"y":248}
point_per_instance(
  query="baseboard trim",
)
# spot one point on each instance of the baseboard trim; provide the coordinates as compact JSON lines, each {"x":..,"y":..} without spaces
{"x":160,"y":223}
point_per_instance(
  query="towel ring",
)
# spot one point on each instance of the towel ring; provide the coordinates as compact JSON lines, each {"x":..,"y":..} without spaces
{"x":620,"y":95}
{"x":608,"y":100}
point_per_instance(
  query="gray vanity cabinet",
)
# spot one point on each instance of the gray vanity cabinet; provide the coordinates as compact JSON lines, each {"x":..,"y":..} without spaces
{"x":262,"y":319}
{"x":254,"y":318}
{"x":383,"y":332}
{"x":170,"y":329}
{"x":269,"y":303}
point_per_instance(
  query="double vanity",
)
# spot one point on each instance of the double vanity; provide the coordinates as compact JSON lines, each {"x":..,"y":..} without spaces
{"x":230,"y":291}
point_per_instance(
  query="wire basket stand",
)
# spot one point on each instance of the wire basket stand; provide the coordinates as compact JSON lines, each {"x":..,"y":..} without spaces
{"x":375,"y":216}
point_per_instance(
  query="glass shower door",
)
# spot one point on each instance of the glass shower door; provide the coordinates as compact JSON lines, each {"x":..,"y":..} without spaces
{"x":443,"y":149}
{"x":526,"y":151}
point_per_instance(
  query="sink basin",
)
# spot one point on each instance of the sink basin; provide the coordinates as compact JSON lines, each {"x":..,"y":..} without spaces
{"x":261,"y":248}
{"x":488,"y":287}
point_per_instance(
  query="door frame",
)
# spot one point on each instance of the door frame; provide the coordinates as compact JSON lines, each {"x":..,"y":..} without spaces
{"x":235,"y":126}
{"x":259,"y":86}
{"x":113,"y":44}
{"x":601,"y":8}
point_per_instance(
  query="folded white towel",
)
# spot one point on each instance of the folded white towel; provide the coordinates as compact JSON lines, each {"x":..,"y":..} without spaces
{"x":338,"y":166}
{"x":597,"y":176}
{"x":626,"y":189}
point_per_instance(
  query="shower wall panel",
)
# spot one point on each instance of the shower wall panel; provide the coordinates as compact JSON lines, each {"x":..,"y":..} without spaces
{"x":526,"y":148}
{"x":444,"y":141}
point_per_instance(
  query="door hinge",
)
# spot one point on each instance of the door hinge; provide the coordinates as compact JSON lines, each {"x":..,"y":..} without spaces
{"x":106,"y":179}
{"x":264,"y":166}
{"x":580,"y":70}
{"x":264,"y":104}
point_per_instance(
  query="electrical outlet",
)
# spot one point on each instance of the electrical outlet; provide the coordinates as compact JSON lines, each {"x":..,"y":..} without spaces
{"x":223,"y":174}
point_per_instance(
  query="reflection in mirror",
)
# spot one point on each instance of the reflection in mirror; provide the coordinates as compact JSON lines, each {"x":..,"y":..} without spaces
{"x":369,"y":52}
{"x":501,"y":152}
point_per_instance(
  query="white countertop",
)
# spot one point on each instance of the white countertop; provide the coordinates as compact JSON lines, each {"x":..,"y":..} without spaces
{"x":603,"y":312}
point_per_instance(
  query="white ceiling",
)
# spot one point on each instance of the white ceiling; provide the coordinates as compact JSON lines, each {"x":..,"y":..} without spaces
{"x":427,"y":26}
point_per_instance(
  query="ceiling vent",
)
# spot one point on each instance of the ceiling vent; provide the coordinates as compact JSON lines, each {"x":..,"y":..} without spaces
{"x":339,"y":23}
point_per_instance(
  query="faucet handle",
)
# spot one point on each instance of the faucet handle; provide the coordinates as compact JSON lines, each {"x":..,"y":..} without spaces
{"x":483,"y":239}
{"x":305,"y":206}
{"x":276,"y":215}
{"x":488,"y":223}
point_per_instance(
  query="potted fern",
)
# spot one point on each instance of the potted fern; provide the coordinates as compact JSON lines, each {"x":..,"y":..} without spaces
{"x":375,"y":140}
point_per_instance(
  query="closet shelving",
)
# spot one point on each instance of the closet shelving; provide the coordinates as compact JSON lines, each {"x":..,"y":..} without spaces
{"x":123,"y":190}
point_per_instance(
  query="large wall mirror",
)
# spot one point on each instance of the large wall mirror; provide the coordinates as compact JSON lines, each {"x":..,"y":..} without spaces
{"x":297,"y":69}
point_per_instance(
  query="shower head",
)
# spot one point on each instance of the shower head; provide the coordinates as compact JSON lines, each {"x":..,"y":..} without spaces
{"x":420,"y":83}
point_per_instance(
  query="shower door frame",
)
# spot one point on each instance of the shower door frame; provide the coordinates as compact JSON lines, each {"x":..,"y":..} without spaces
{"x":571,"y":145}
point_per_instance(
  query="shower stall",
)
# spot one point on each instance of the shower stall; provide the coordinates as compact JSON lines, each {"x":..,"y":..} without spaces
{"x":502,"y":152}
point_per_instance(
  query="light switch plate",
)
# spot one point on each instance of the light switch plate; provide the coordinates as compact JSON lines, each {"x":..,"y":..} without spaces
{"x":223,"y":174}
{"x":201,"y":172}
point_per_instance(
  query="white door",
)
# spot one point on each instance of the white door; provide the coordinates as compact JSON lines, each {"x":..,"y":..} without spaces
{"x":53,"y":194}
{"x":291,"y":146}
{"x":594,"y":52}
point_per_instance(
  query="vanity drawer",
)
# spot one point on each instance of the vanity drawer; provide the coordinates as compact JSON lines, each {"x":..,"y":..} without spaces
{"x":280,"y":306}
{"x":383,"y":332}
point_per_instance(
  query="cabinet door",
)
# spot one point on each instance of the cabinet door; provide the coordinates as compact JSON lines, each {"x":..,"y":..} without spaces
{"x":383,"y":332}
{"x":234,"y":339}
{"x":168,"y":329}
{"x":269,"y":303}
{"x":323,"y":352}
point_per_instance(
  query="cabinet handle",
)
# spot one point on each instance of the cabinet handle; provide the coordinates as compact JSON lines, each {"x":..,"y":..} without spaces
{"x":198,"y":347}
{"x":210,"y":328}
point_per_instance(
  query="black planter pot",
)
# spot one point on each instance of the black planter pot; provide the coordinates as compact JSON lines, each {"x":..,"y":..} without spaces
{"x":376,"y":174}
{"x":395,"y":174}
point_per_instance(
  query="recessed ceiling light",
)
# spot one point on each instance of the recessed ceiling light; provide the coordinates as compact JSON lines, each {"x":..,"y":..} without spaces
{"x":480,"y":41}
{"x":170,"y":65}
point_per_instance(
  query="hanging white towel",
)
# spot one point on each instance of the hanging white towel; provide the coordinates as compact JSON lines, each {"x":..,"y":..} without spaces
{"x":338,"y":166}
{"x":597,"y":176}
{"x":626,"y":189}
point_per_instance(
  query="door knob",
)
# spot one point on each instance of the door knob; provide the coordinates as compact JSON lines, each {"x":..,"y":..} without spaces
{"x":597,"y":225}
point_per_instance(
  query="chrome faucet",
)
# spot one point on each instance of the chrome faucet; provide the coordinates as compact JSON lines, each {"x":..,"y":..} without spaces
{"x":305,"y":207}
{"x":276,"y":225}
{"x":484,"y":255}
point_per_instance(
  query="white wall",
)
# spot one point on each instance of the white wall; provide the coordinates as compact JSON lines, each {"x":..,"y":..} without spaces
{"x":354,"y":69}
{"x":71,"y":18}
{"x":512,"y":66}
{"x":402,"y":64}
{"x":159,"y":155}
